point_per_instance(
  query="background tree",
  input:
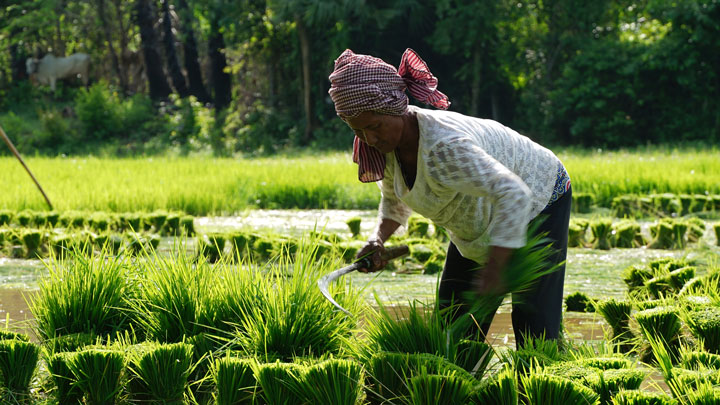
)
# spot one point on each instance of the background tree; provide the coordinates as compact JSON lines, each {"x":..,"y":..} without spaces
{"x":176,"y":74}
{"x":145,"y":18}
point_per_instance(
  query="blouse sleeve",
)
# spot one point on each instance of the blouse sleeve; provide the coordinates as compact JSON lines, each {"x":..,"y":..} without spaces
{"x":390,"y":205}
{"x":462,"y":165}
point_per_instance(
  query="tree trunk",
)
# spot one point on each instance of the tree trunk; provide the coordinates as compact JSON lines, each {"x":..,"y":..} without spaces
{"x":304,"y":37}
{"x":111,"y":46}
{"x":144,"y":16}
{"x":123,"y":43}
{"x":221,"y":81}
{"x":191,"y":59}
{"x":176,"y":74}
{"x":18,"y":55}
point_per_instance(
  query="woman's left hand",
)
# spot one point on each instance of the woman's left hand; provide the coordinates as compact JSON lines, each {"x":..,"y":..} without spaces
{"x":488,"y":281}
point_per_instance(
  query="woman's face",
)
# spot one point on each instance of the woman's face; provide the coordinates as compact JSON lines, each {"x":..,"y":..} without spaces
{"x":382,"y":132}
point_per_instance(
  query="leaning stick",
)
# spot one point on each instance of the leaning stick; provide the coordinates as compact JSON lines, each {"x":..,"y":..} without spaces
{"x":22,"y":162}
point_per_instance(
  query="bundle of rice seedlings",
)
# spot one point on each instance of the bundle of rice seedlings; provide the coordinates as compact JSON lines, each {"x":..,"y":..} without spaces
{"x":474,"y":357}
{"x":83,"y":295}
{"x":234,"y":381}
{"x":635,"y":276}
{"x":420,"y":252}
{"x":602,"y":233}
{"x":705,"y":325}
{"x":626,"y":206}
{"x":576,"y":234}
{"x":66,"y":391}
{"x":72,"y":219}
{"x":418,"y":227}
{"x":138,"y":244}
{"x":433,"y":266}
{"x":389,"y":373}
{"x":170,"y":296}
{"x":629,"y":397}
{"x":627,"y":235}
{"x":667,"y":203}
{"x":663,"y":235}
{"x":705,"y":393}
{"x":662,"y":324}
{"x":160,"y":373}
{"x":97,"y":374}
{"x":578,"y":302}
{"x":172,"y":225}
{"x":582,"y":202}
{"x":187,"y":225}
{"x":280,"y":383}
{"x":18,"y":362}
{"x":8,"y":335}
{"x":6,"y":217}
{"x":534,"y":352}
{"x":432,"y":389}
{"x":354,"y":225}
{"x":99,"y":222}
{"x":617,"y":315}
{"x":32,"y":240}
{"x":542,"y":388}
{"x":349,"y":249}
{"x":211,"y":247}
{"x":696,"y":229}
{"x":157,"y":219}
{"x":686,"y":203}
{"x":701,"y":201}
{"x":606,"y":362}
{"x":264,"y":247}
{"x":501,"y":389}
{"x":695,"y":360}
{"x":670,"y":283}
{"x":240,"y":242}
{"x":24,"y":218}
{"x":333,"y":381}
{"x":608,"y":383}
{"x":291,"y":318}
{"x":68,"y":343}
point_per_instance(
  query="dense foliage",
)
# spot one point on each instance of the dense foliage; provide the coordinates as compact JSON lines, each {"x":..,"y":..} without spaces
{"x":251,"y":75}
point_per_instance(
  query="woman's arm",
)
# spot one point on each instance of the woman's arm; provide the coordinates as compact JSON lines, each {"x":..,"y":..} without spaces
{"x":376,"y":243}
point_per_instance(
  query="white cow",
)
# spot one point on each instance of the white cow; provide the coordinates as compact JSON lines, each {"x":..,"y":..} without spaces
{"x":48,"y":69}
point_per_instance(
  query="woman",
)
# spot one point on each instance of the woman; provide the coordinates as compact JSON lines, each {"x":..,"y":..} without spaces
{"x":481,"y":181}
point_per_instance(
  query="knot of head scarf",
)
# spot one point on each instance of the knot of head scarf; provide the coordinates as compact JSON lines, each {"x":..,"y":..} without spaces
{"x":365,"y":83}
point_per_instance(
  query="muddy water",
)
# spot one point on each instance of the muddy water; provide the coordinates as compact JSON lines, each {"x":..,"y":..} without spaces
{"x":14,"y":312}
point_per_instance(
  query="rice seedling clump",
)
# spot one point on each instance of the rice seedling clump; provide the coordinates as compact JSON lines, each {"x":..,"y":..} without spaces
{"x":159,"y":373}
{"x":234,"y":380}
{"x":578,"y":302}
{"x":542,"y":388}
{"x":704,"y":323}
{"x":97,"y":374}
{"x":18,"y":363}
{"x":630,"y":397}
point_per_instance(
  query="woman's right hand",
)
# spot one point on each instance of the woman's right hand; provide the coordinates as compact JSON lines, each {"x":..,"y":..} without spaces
{"x":372,"y":250}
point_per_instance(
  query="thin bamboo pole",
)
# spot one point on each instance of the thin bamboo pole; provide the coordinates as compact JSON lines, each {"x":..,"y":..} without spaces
{"x":22,"y":162}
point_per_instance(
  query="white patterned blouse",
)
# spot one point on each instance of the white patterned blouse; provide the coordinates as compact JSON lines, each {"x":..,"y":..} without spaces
{"x":481,"y":181}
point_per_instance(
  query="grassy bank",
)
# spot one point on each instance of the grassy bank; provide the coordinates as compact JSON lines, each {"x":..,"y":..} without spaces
{"x":202,"y":186}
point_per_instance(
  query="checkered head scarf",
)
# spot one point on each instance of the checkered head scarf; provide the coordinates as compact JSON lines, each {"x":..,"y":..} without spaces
{"x":365,"y":83}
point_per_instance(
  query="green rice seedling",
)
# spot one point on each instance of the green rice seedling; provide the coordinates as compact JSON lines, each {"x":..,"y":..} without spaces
{"x":141,"y":244}
{"x":608,"y":383}
{"x":24,"y":218}
{"x":670,"y":283}
{"x":662,"y":324}
{"x":627,"y":235}
{"x":667,"y":204}
{"x":170,"y":296}
{"x":66,"y":391}
{"x":705,"y":325}
{"x":582,"y":202}
{"x":501,"y":389}
{"x":82,"y":295}
{"x":440,"y":233}
{"x":418,"y":226}
{"x":6,"y":217}
{"x":280,"y":383}
{"x":602,"y":233}
{"x":241,"y":242}
{"x":421,"y":253}
{"x":576,"y":233}
{"x":571,"y":370}
{"x":61,"y":245}
{"x":577,"y":302}
{"x":187,"y":225}
{"x":667,"y":264}
{"x":432,"y":389}
{"x":333,"y":381}
{"x":8,"y":335}
{"x":701,"y":202}
{"x":696,"y":229}
{"x":626,"y":206}
{"x":32,"y":240}
{"x":349,"y":249}
{"x":291,"y":318}
{"x":630,"y":397}
{"x":354,"y":226}
{"x":72,"y":219}
{"x":234,"y":381}
{"x":263,"y":248}
{"x":686,"y":203}
{"x":635,"y":276}
{"x":157,"y":219}
{"x":68,"y":343}
{"x":535,"y":351}
{"x":389,"y":372}
{"x":615,"y":362}
{"x":542,"y":388}
{"x":696,"y":360}
{"x":98,"y":374}
{"x":617,"y":315}
{"x":99,"y":222}
{"x":160,"y":373}
{"x":211,"y":247}
{"x":433,"y":267}
{"x":171,"y":226}
{"x":474,"y":357}
{"x":18,"y":363}
{"x":135,"y":222}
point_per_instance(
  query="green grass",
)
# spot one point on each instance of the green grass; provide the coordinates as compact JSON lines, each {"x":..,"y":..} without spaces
{"x":200,"y":185}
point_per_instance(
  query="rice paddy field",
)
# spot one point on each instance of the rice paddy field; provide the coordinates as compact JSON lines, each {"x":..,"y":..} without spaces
{"x":194,"y":281}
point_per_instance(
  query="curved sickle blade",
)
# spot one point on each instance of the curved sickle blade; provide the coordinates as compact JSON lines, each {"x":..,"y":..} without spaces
{"x":325,"y":281}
